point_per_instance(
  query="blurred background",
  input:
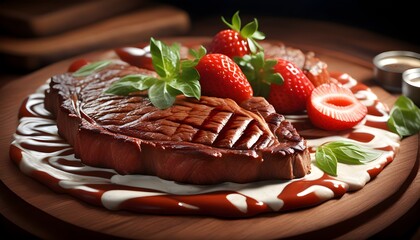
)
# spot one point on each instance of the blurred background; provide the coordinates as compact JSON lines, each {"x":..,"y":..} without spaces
{"x":36,"y":33}
{"x":397,"y":19}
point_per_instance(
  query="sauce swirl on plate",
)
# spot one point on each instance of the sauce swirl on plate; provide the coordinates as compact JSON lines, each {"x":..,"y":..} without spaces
{"x":42,"y":154}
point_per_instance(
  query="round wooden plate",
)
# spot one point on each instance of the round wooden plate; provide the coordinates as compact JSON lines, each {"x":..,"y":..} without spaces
{"x":352,"y":214}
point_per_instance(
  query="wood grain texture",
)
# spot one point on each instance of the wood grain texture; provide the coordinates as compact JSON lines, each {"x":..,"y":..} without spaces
{"x":140,"y":25}
{"x":356,"y":215}
{"x":46,"y":17}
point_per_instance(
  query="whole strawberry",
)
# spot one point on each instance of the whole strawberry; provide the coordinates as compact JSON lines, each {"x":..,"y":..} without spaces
{"x":221,"y":77}
{"x":292,"y":95}
{"x":236,"y":42}
{"x":281,"y":82}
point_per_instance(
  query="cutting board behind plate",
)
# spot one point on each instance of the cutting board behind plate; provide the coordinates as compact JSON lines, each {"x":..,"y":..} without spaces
{"x":28,"y":18}
{"x":131,"y":27}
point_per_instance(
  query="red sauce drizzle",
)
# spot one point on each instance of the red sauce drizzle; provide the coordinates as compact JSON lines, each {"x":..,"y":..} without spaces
{"x":375,"y":171}
{"x":374,"y":111}
{"x":292,"y":201}
{"x":361,"y":136}
{"x":380,"y":125}
{"x":213,"y":203}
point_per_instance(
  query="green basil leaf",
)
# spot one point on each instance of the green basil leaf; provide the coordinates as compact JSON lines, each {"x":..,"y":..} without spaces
{"x":171,"y":90}
{"x":131,"y":83}
{"x":175,"y":76}
{"x":188,"y":83}
{"x":165,"y":59}
{"x":404,"y":102}
{"x":351,"y":153}
{"x":343,"y":152}
{"x":91,"y":68}
{"x":326,"y":160}
{"x":160,"y":96}
{"x":404,"y":117}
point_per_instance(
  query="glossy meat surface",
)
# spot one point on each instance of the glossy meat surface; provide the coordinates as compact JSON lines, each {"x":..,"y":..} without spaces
{"x":204,"y":141}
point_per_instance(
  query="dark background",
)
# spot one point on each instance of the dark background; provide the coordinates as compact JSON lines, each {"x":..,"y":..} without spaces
{"x":396,"y":19}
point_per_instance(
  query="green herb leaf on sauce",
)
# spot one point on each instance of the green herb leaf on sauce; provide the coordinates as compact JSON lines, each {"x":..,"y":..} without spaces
{"x":176,"y":76}
{"x":404,"y":117}
{"x":91,"y":68}
{"x":328,"y":155}
{"x":326,"y":160}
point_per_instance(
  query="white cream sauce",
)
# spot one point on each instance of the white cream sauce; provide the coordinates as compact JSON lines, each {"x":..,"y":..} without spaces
{"x":43,"y":150}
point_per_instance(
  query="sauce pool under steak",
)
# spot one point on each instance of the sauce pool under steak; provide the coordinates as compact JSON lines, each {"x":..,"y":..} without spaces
{"x":41,"y":153}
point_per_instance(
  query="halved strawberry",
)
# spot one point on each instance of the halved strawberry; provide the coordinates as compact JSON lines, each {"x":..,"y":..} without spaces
{"x":221,"y":77}
{"x":334,"y":107}
{"x":237,"y":41}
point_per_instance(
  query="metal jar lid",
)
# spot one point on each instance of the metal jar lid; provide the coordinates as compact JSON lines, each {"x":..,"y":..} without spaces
{"x":411,"y":85}
{"x":390,"y":65}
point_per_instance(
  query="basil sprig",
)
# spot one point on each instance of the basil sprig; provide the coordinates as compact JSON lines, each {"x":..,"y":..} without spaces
{"x":91,"y":68}
{"x":175,"y":76}
{"x":404,"y":117}
{"x":328,"y":155}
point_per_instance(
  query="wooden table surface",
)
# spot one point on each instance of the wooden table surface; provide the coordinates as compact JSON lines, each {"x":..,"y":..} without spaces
{"x":399,"y":212}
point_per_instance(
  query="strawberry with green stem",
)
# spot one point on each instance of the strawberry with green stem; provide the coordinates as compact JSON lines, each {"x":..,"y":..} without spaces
{"x":237,"y":41}
{"x":221,"y":77}
{"x":281,"y":82}
{"x":213,"y":75}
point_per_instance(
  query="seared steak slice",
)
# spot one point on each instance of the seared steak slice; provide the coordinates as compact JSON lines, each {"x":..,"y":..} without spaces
{"x":308,"y":62}
{"x":209,"y":141}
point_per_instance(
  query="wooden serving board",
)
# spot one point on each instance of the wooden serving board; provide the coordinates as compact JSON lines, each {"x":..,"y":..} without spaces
{"x":356,"y":215}
{"x":138,"y":25}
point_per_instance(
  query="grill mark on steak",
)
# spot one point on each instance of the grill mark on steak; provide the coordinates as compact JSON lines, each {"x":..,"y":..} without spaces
{"x":208,"y":133}
{"x":250,"y":136}
{"x":193,"y":118}
{"x":204,"y":141}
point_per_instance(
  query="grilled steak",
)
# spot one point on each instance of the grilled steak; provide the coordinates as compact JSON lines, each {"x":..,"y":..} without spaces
{"x":206,"y":141}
